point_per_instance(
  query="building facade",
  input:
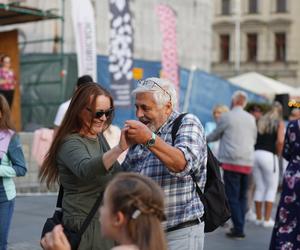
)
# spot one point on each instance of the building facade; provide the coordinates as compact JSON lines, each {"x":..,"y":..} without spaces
{"x":193,"y":25}
{"x":267,"y":33}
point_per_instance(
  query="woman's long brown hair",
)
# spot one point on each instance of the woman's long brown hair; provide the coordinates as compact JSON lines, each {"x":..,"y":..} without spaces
{"x":129,"y":192}
{"x":5,"y":116}
{"x":84,"y":97}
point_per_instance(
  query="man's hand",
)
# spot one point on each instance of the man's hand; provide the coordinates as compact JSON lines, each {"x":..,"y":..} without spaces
{"x":137,"y":132}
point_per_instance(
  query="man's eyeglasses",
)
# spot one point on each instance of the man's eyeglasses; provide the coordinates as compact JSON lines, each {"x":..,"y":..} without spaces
{"x":98,"y":114}
{"x":151,"y":84}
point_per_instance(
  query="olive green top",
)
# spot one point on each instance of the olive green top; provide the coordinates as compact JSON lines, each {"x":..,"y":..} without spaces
{"x":84,"y":177}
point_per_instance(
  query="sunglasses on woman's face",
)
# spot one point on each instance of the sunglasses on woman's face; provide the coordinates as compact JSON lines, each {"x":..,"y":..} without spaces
{"x":98,"y":114}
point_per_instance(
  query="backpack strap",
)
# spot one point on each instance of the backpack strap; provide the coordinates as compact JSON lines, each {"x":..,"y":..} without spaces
{"x":176,"y":125}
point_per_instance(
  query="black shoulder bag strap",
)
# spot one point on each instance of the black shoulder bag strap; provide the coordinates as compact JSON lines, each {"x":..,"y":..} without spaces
{"x":102,"y":138}
{"x":176,"y":125}
{"x":59,"y":198}
{"x":91,"y":214}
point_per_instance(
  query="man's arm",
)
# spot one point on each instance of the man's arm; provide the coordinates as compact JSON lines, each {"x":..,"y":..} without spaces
{"x":171,"y":157}
{"x":217,"y":133}
{"x":189,"y":149}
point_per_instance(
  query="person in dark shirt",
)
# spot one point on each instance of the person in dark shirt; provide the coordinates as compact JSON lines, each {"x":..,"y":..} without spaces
{"x":269,"y":144}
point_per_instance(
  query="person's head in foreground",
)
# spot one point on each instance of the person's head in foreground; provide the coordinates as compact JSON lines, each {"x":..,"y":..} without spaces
{"x":132,"y":212}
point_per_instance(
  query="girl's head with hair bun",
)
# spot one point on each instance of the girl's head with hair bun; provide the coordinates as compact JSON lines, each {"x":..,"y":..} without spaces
{"x":134,"y":205}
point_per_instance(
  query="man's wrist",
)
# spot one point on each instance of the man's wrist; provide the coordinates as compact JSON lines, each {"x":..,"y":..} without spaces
{"x":151,"y":141}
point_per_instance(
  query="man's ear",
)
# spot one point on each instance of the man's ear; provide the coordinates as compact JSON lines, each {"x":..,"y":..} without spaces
{"x":169,"y":107}
{"x":119,"y":219}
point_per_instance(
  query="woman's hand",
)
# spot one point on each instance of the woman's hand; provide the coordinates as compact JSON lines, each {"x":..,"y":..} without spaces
{"x":124,"y":143}
{"x":55,"y":240}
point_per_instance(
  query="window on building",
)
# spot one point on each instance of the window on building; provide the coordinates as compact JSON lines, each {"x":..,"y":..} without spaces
{"x":253,"y":8}
{"x":281,"y":5}
{"x":224,"y":48}
{"x":280,"y":46}
{"x":225,"y":7}
{"x":252,"y":47}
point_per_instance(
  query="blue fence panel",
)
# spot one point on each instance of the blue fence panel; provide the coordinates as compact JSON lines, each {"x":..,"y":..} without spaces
{"x":207,"y":90}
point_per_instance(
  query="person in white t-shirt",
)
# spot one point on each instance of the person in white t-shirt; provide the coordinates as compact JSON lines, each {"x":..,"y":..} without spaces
{"x":61,"y":113}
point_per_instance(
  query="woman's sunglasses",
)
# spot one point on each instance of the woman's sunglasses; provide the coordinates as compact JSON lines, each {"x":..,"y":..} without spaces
{"x":98,"y":114}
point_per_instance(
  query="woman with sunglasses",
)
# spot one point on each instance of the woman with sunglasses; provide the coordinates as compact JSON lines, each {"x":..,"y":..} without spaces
{"x":81,"y":161}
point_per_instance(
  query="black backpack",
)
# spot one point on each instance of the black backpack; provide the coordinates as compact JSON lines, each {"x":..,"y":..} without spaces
{"x":216,"y":207}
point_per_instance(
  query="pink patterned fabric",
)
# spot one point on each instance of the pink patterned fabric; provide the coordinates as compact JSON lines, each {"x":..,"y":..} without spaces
{"x":42,"y":140}
{"x":167,"y":21}
{"x":5,"y":136}
{"x":7,"y":79}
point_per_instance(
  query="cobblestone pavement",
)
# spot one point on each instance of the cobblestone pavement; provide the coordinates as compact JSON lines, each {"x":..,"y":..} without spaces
{"x":31,"y":212}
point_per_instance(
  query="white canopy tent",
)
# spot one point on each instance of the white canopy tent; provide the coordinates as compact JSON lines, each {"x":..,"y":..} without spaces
{"x":262,"y":85}
{"x":297,"y":92}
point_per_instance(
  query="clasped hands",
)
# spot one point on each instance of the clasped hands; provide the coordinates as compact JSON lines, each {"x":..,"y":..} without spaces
{"x":134,"y":132}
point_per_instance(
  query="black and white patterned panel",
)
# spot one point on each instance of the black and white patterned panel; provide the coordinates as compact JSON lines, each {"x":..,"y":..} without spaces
{"x":120,"y":51}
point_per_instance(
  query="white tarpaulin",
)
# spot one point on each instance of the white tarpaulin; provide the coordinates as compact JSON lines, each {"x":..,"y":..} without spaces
{"x":261,"y":84}
{"x":85,"y":36}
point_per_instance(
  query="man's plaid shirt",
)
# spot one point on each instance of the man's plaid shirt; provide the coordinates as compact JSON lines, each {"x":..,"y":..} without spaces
{"x":182,"y":201}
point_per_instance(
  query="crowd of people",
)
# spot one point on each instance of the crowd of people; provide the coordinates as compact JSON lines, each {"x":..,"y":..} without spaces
{"x":149,"y":198}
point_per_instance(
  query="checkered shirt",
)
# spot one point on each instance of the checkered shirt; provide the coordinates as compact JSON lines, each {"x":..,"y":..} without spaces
{"x":182,"y":201}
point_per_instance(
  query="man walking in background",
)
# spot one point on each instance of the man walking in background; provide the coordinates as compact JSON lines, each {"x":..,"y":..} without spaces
{"x":237,"y":133}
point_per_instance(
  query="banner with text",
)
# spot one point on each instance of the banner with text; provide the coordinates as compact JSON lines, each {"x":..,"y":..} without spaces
{"x":120,"y":52}
{"x":85,"y":37}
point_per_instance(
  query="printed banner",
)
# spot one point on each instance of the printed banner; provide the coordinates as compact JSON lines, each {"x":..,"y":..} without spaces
{"x":167,"y":21}
{"x":120,"y":52}
{"x":85,"y":37}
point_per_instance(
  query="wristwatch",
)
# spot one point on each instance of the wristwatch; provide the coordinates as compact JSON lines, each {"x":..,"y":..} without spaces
{"x":151,"y":141}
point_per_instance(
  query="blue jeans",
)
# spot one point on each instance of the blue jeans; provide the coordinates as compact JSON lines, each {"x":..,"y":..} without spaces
{"x":236,"y":190}
{"x":189,"y":238}
{"x":6,"y":212}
